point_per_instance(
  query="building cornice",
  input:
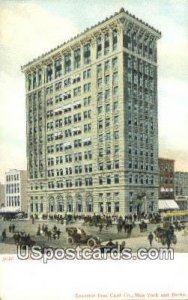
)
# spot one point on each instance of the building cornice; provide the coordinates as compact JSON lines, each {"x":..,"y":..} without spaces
{"x":116,"y":20}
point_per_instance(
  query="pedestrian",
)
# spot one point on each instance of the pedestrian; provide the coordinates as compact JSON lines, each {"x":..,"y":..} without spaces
{"x":4,"y":235}
{"x":168,"y":240}
{"x":100,"y":227}
{"x":58,"y":232}
{"x":38,"y":230}
{"x":122,"y":246}
{"x":13,"y":228}
{"x":110,"y":243}
{"x":150,"y":238}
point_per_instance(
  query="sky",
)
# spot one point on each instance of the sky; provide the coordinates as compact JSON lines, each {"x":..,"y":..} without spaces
{"x":30,"y":28}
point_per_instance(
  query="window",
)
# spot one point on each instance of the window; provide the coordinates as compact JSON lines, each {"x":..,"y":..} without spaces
{"x":77,"y":105}
{"x":108,"y":151}
{"x":87,"y":114}
{"x":77,"y":117}
{"x":116,"y":207}
{"x":107,"y":66}
{"x":116,"y":135}
{"x":68,"y":158}
{"x":49,"y":72}
{"x":116,"y":178}
{"x":88,"y":181}
{"x":99,"y":83}
{"x":99,"y":47}
{"x":108,"y":179}
{"x":77,"y":91}
{"x":115,"y":106}
{"x":69,"y":183}
{"x":114,"y":63}
{"x":116,"y":120}
{"x":100,"y":180}
{"x":100,"y":166}
{"x":99,"y":70}
{"x":78,"y":182}
{"x":88,"y":155}
{"x":114,"y":39}
{"x":116,"y":164}
{"x":68,"y":120}
{"x":100,"y":138}
{"x":78,"y":169}
{"x":67,"y":82}
{"x":108,"y":136}
{"x":106,"y":44}
{"x":58,"y":86}
{"x":107,"y":79}
{"x":87,"y":53}
{"x":77,"y":143}
{"x":88,"y":168}
{"x":116,"y":150}
{"x":87,"y":74}
{"x":107,"y":95}
{"x":107,"y":108}
{"x":100,"y":124}
{"x":87,"y":127}
{"x":67,"y":63}
{"x":108,"y":165}
{"x":100,"y":152}
{"x":100,"y":110}
{"x":107,"y":122}
{"x":87,"y":87}
{"x":58,"y":68}
{"x":99,"y":98}
{"x":87,"y":101}
{"x":115,"y":91}
{"x":77,"y":58}
{"x":78,"y":156}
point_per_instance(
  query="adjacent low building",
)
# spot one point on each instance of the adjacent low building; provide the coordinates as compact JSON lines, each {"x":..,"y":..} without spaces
{"x":166,"y":185}
{"x":181,"y":184}
{"x":2,"y":195}
{"x":15,"y":191}
{"x":166,"y":178}
{"x":181,"y":189}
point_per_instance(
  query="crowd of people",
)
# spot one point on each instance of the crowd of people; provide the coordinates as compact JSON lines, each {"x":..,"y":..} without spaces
{"x":126,"y":224}
{"x":44,"y":231}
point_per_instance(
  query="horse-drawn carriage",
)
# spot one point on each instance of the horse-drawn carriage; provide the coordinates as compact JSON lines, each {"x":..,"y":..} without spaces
{"x":165,"y":235}
{"x":143,"y":226}
{"x":23,"y":240}
{"x":78,"y":235}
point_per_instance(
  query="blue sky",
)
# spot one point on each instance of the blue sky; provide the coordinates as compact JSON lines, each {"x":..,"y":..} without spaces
{"x":30,"y":28}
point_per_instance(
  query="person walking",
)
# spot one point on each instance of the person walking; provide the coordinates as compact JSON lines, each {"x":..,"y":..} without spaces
{"x":150,"y":238}
{"x":4,"y":235}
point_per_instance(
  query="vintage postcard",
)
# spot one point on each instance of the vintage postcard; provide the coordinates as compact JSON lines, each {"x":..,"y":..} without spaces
{"x":93,"y":149}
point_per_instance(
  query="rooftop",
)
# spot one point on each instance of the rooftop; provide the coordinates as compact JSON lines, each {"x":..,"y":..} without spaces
{"x":92,"y":27}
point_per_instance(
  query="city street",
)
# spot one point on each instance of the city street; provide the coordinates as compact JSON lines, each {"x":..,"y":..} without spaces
{"x":134,"y":242}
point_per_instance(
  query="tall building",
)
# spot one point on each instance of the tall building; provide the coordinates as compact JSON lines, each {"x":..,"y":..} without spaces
{"x":16,"y":191}
{"x":166,"y":178}
{"x":2,"y":195}
{"x":92,"y":121}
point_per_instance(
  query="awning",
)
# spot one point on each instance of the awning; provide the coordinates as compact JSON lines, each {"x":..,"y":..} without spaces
{"x":67,"y":106}
{"x":10,"y":209}
{"x":57,"y":109}
{"x":165,"y":204}
{"x":175,"y":213}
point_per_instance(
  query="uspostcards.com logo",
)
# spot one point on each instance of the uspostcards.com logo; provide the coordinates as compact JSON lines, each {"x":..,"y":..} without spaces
{"x":46,"y":254}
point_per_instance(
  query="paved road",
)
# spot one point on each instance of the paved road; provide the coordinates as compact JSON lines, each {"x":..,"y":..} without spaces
{"x":136,"y":241}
